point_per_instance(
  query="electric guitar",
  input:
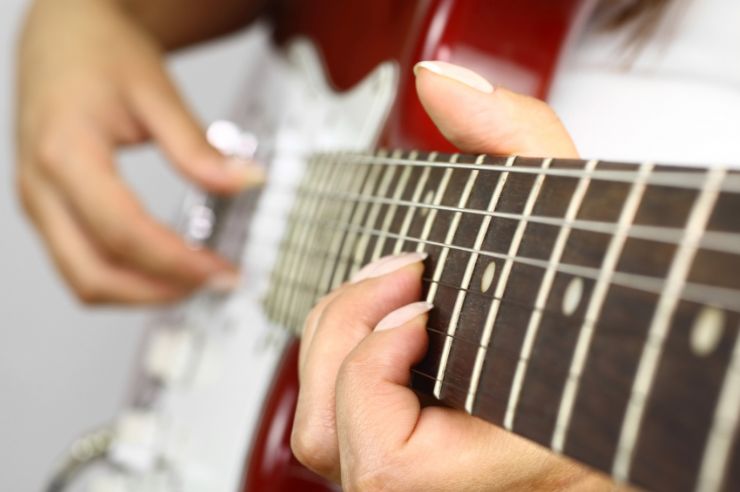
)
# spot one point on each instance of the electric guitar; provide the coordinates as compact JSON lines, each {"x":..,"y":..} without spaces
{"x":589,"y":306}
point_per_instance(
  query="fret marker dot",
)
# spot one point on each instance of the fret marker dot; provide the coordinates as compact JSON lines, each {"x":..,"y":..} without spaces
{"x":572,"y":296}
{"x":707,"y":330}
{"x":487,"y":279}
{"x":428,"y":198}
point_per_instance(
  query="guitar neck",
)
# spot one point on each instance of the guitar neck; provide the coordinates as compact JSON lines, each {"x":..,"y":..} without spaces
{"x":591,"y":307}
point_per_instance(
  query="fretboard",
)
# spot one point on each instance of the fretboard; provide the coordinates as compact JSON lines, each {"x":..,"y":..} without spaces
{"x":591,"y":307}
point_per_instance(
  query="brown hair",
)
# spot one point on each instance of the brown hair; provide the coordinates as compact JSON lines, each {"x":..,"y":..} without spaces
{"x":640,"y":18}
{"x":643,"y":12}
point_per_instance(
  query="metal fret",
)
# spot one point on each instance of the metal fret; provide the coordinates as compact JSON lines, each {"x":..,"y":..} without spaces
{"x":356,"y":182}
{"x":353,"y":233}
{"x":501,"y":287}
{"x":362,"y":244}
{"x":391,"y":212}
{"x":660,"y":324}
{"x":410,"y":211}
{"x":433,"y":211}
{"x":438,"y":275}
{"x":726,"y":298}
{"x":278,"y":290}
{"x":543,"y":294}
{"x":724,"y":428}
{"x":728,"y":242}
{"x":679,"y":179}
{"x":292,"y":260}
{"x":334,"y":210}
{"x":608,"y":265}
{"x":327,"y":210}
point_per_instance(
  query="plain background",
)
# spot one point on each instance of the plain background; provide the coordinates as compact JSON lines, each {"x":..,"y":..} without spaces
{"x":64,"y":368}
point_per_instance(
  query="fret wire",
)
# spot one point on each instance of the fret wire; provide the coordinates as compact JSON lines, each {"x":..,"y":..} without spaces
{"x":294,"y":230}
{"x":726,"y":298}
{"x":543,"y":295}
{"x":593,"y":310}
{"x":725,"y":423}
{"x":385,"y":182}
{"x":358,"y":216}
{"x":440,"y":268}
{"x":274,"y":297}
{"x":392,"y":207}
{"x":501,"y":285}
{"x":356,"y":181}
{"x":660,"y":323}
{"x":436,"y":200}
{"x":490,"y":396}
{"x":675,"y":179}
{"x":305,"y":270}
{"x":614,"y":330}
{"x":468,"y":275}
{"x":334,"y":208}
{"x":411,"y":210}
{"x":324,"y":170}
{"x":721,"y":241}
{"x":450,"y":235}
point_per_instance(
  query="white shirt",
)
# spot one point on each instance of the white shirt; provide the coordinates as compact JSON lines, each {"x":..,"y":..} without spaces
{"x":677,"y":101}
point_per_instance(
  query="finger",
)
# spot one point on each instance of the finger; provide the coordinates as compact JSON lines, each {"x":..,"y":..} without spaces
{"x":93,"y":278}
{"x":163,"y":112}
{"x":309,"y":327}
{"x":376,"y":411}
{"x":84,"y":172}
{"x":377,"y":268}
{"x":345,"y":321}
{"x":476,"y":117}
{"x":385,"y":437}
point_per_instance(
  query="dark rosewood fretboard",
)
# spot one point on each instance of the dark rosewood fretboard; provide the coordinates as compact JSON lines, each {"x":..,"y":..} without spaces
{"x":589,"y":306}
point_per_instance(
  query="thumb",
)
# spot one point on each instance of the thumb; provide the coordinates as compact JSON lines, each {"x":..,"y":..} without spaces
{"x":476,"y":117}
{"x":162,"y":111}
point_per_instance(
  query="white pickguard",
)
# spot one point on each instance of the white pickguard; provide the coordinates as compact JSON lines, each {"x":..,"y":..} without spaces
{"x":192,"y":432}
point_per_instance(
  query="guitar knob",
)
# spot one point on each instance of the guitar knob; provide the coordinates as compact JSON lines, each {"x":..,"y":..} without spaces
{"x":231,"y":140}
{"x":169,"y":354}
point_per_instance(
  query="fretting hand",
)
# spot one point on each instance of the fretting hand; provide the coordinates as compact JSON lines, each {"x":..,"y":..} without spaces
{"x":357,"y":422}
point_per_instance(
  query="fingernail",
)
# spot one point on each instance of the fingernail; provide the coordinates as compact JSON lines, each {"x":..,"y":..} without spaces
{"x":387,"y":264}
{"x":223,"y":282}
{"x":403,"y":315}
{"x":456,"y":72}
{"x":246,"y":172}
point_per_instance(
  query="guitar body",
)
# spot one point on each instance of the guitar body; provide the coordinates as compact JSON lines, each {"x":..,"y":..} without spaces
{"x":619,"y":344}
{"x":516,"y":44}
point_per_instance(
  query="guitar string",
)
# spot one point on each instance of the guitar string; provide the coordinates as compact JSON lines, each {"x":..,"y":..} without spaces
{"x":719,"y":241}
{"x":612,"y":330}
{"x":498,"y":352}
{"x":597,"y":417}
{"x":662,"y":176}
{"x":725,"y":297}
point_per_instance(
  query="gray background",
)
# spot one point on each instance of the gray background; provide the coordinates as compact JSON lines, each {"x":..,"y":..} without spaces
{"x":64,"y":368}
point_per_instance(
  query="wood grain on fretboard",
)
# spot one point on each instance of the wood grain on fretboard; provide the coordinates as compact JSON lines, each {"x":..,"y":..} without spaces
{"x":589,"y":306}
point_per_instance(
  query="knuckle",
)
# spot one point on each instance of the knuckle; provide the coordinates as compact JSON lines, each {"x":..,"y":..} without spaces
{"x":25,"y":190}
{"x":355,"y":368}
{"x":363,"y":478}
{"x":310,"y":448}
{"x":48,"y":150}
{"x":89,"y":290}
{"x":118,"y":239}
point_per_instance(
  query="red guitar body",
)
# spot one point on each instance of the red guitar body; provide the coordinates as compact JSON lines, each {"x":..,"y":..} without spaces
{"x":516,"y":44}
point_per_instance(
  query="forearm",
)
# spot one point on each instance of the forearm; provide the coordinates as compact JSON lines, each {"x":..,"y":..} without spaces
{"x":178,"y":23}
